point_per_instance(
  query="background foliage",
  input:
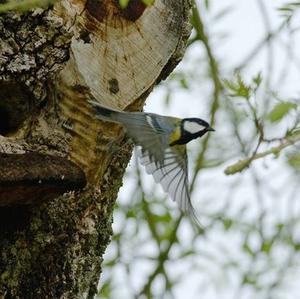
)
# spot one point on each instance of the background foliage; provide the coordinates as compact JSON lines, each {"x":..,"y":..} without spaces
{"x":244,"y":178}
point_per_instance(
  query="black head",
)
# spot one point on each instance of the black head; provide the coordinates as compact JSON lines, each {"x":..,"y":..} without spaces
{"x":192,"y":128}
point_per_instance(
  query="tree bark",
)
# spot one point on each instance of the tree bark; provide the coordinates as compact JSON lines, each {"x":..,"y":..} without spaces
{"x":60,"y":169}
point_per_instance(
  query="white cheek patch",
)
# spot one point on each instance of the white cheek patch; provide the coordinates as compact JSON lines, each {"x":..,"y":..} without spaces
{"x":192,"y":127}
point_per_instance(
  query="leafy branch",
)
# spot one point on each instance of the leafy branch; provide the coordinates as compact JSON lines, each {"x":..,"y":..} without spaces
{"x":289,"y":9}
{"x":245,"y":163}
{"x":238,"y":88}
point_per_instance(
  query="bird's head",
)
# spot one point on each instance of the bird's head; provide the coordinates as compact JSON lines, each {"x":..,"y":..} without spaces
{"x":192,"y":128}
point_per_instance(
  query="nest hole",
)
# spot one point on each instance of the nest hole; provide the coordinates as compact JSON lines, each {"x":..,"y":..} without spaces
{"x":14,"y":107}
{"x":4,"y":121}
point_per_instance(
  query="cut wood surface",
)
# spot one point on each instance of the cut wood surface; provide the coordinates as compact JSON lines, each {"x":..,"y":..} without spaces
{"x":119,"y":55}
{"x":116,"y":58}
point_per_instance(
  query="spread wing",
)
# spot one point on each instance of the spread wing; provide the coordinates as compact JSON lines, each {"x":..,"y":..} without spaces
{"x":145,"y":130}
{"x":172,"y":174}
{"x":149,"y":130}
{"x":141,"y":129}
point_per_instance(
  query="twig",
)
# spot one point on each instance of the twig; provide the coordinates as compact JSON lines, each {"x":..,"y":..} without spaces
{"x":242,"y":164}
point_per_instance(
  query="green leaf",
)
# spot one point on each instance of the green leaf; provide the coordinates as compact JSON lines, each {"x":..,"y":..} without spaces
{"x":123,"y":3}
{"x":105,"y":290}
{"x":148,"y":2}
{"x":281,"y":110}
{"x":296,"y":246}
{"x":238,"y":88}
{"x":266,"y":246}
{"x":131,"y":214}
{"x":293,"y":160}
{"x":279,"y":227}
{"x":249,"y":280}
{"x":184,"y":84}
{"x":257,"y":79}
{"x":227,"y":223}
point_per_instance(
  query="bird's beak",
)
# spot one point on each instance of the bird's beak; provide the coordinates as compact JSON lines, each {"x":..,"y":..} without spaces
{"x":211,"y":129}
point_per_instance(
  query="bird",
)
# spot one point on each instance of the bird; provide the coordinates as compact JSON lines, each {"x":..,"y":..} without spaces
{"x":161,"y":147}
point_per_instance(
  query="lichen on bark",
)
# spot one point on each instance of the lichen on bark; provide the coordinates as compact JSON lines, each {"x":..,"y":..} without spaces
{"x":33,"y":47}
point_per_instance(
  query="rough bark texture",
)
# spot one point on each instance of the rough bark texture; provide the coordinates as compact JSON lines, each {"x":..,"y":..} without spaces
{"x":51,"y":61}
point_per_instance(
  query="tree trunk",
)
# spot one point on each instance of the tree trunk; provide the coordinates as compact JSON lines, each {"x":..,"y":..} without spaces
{"x":60,"y":169}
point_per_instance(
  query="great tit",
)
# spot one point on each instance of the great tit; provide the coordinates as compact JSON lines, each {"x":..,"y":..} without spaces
{"x":161,"y":142}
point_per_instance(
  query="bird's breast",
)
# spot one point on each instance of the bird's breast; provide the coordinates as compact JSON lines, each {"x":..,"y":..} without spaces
{"x":175,"y":136}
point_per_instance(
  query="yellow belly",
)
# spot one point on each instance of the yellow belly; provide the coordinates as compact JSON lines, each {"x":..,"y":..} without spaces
{"x":175,"y":136}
